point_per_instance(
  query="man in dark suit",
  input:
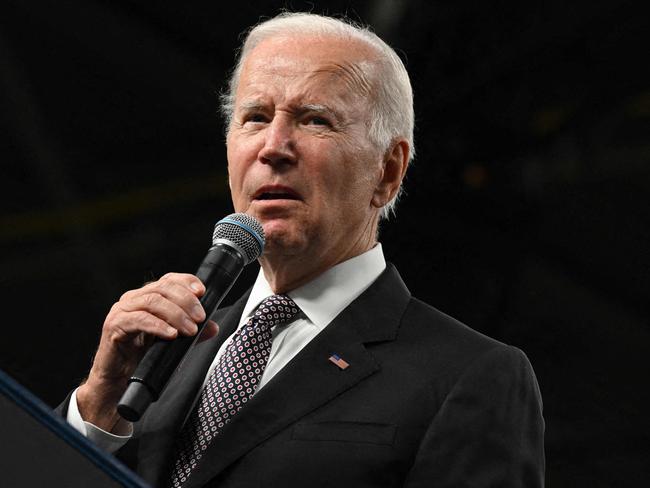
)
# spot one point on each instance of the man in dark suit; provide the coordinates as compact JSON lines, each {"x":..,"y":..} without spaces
{"x":360,"y":384}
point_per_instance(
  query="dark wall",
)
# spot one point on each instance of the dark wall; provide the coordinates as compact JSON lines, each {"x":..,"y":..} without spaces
{"x":526,"y":215}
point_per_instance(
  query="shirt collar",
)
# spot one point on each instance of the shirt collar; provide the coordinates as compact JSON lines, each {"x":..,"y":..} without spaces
{"x":323,"y":298}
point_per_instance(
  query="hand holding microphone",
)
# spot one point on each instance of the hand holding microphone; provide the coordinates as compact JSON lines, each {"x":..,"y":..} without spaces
{"x":156,"y":325}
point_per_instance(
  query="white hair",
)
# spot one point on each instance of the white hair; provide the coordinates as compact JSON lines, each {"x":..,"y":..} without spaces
{"x":391,"y":107}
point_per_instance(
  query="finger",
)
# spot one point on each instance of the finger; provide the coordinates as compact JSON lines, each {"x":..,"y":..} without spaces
{"x":175,"y":288}
{"x":186,"y":279}
{"x":189,"y":281}
{"x":181,"y":296}
{"x":162,"y":308}
{"x":210,"y":330}
{"x":124,"y":326}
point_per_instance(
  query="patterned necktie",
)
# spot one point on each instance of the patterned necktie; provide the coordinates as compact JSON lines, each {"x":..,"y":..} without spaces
{"x":231,"y":384}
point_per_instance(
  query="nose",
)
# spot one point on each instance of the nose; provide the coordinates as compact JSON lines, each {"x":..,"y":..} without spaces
{"x":279,"y":144}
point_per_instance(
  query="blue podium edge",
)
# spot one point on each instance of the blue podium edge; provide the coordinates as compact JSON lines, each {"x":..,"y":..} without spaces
{"x":43,"y":414}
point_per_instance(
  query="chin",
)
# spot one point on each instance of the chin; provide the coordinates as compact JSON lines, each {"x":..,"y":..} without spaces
{"x":283,"y":241}
{"x":281,"y":245}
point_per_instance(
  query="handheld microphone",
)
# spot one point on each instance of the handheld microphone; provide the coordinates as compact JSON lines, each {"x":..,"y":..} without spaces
{"x":237,"y":240}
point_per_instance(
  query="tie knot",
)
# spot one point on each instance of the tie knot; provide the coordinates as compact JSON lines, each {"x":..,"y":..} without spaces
{"x":275,"y":310}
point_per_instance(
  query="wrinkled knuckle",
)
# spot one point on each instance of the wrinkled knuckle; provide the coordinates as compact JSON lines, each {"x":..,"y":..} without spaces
{"x":142,"y":318}
{"x":111,"y":328}
{"x":182,"y":278}
{"x":108,"y":325}
{"x":169,"y":277}
{"x":150,"y":285}
{"x":126,"y":295}
{"x":151,"y":299}
{"x":113,"y":314}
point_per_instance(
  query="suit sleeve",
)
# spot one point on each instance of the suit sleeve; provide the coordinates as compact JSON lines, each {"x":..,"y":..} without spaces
{"x":108,"y":441}
{"x":489,"y":431}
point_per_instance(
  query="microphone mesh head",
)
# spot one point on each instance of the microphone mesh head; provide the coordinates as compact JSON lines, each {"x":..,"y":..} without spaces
{"x":245,"y":232}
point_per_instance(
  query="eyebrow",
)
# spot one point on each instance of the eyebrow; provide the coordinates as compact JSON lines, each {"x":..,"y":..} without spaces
{"x":322,"y":109}
{"x":251,"y":105}
{"x":254,"y":105}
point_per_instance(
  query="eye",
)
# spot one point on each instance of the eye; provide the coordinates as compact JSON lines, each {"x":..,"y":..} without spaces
{"x":255,"y":117}
{"x":318,"y":120}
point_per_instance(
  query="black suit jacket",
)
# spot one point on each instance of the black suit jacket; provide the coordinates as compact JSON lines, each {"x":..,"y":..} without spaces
{"x":426,"y":401}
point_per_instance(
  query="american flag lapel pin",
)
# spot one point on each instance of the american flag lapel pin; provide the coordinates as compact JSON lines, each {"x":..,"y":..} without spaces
{"x":341,"y":363}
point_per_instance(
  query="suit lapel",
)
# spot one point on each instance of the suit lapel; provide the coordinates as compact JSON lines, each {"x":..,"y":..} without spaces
{"x":165,"y":417}
{"x":310,"y":380}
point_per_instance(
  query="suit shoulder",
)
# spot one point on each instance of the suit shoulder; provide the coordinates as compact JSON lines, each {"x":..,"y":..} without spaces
{"x":430,"y":320}
{"x":447,"y":339}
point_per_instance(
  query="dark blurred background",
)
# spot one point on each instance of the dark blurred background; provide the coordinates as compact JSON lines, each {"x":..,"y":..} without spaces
{"x":527,"y":213}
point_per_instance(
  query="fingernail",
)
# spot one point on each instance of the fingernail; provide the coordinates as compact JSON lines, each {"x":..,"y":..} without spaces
{"x":198,"y":312}
{"x":171,"y":331}
{"x":190,"y":326}
{"x":195,"y":287}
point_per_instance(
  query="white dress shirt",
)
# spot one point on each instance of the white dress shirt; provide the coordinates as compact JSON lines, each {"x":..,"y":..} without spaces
{"x":320,"y":300}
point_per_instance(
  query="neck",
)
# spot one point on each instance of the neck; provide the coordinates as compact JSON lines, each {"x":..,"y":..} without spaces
{"x":286,"y":272}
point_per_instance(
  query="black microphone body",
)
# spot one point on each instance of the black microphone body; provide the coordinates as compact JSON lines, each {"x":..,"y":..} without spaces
{"x":218,"y":272}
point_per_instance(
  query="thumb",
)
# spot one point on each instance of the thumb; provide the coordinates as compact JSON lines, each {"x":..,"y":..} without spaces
{"x":210,"y":330}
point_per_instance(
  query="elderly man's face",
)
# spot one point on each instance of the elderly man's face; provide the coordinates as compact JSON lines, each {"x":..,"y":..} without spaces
{"x":299,"y":156}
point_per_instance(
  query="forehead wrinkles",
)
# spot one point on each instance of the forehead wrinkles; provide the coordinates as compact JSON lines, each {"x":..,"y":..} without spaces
{"x":350,"y":56}
{"x":352,"y":75}
{"x":332,"y":74}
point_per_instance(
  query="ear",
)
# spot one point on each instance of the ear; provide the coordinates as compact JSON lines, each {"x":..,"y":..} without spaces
{"x":396,"y":161}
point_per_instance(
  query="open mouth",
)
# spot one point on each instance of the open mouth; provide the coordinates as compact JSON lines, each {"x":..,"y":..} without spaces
{"x":276,"y":196}
{"x":276,"y":193}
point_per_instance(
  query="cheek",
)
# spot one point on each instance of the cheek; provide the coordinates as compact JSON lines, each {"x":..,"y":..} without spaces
{"x":236,"y":165}
{"x":241,"y":149}
{"x":338,"y":196}
{"x":235,"y":182}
